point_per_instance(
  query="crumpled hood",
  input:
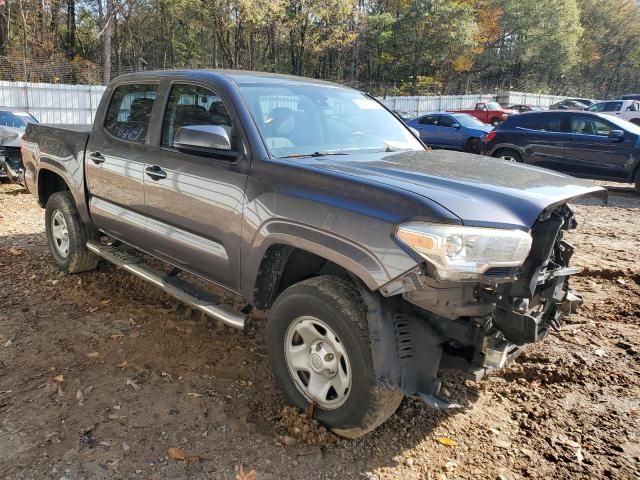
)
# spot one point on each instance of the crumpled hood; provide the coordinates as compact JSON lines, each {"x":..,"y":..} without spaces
{"x":481,"y":191}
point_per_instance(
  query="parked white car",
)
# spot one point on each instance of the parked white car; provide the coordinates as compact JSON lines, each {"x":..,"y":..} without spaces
{"x":626,"y":109}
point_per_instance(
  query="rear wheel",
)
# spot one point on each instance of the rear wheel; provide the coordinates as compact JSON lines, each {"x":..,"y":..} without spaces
{"x":320,"y":352}
{"x":474,"y":145}
{"x":508,"y":154}
{"x":636,"y":180}
{"x":67,"y":235}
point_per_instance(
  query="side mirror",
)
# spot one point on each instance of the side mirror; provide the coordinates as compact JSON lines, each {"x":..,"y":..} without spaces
{"x":455,"y":125}
{"x":208,"y":140}
{"x":616,"y":134}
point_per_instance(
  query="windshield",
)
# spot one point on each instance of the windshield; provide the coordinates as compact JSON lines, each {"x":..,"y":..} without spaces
{"x":300,"y":120}
{"x":623,"y":124}
{"x":605,"y":107}
{"x":494,"y":106}
{"x":469,"y":121}
{"x":16,"y":119}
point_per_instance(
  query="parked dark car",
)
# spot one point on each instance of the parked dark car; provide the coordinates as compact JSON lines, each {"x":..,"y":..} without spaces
{"x":13,"y":123}
{"x":404,"y":116}
{"x":571,"y":104}
{"x":583,"y":144}
{"x":521,"y":108}
{"x":381,"y":262}
{"x":632,"y":96}
{"x":455,"y":131}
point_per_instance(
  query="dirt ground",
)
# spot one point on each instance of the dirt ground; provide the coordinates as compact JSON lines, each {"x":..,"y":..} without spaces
{"x":101,"y":374}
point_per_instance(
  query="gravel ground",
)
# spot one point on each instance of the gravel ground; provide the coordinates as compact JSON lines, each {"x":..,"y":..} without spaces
{"x":100,"y":375}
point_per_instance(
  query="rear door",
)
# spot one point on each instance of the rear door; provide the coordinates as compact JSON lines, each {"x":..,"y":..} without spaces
{"x":115,"y":162}
{"x":194,"y":203}
{"x":428,"y":128}
{"x":543,"y":138}
{"x":591,"y":153}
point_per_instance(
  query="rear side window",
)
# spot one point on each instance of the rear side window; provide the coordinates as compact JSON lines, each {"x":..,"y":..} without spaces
{"x":545,"y":123}
{"x":428,"y":120}
{"x":129,"y":111}
{"x":446,"y":121}
{"x":191,"y":105}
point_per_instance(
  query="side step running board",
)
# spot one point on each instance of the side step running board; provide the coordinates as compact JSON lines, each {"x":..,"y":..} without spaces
{"x":183,"y":291}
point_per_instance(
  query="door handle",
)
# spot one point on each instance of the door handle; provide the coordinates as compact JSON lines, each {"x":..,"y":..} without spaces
{"x":155,"y":172}
{"x":96,"y":157}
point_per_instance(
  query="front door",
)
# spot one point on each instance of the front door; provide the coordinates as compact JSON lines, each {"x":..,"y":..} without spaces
{"x":543,"y":138}
{"x":115,"y":163}
{"x":592,"y":153}
{"x":194,"y":203}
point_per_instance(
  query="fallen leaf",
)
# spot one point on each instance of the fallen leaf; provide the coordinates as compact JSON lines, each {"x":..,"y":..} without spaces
{"x":600,"y":352}
{"x":8,"y":343}
{"x":58,"y":378}
{"x":133,"y":384}
{"x":93,"y":355}
{"x":176,"y":453}
{"x":123,"y":364}
{"x":105,"y":301}
{"x":248,"y":476}
{"x":310,"y":410}
{"x":15,"y":251}
{"x":193,"y":394}
{"x":447,"y":441}
{"x":79,"y":395}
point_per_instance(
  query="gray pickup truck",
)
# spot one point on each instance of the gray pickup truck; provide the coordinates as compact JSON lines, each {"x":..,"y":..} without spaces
{"x":381,"y":262}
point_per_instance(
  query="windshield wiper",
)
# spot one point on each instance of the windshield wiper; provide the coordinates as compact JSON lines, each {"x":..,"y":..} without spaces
{"x":314,"y":154}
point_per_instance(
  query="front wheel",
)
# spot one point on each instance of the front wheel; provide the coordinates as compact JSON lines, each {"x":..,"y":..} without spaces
{"x":474,"y":145}
{"x":320,"y":352}
{"x":67,"y":235}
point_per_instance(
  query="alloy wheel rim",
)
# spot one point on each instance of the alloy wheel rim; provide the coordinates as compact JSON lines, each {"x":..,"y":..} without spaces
{"x":60,"y":233}
{"x":317,"y":362}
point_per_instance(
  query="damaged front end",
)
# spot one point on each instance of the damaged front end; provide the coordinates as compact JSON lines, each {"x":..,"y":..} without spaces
{"x":475,"y":325}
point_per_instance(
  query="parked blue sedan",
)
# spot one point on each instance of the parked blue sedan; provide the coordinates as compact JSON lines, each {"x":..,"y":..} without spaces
{"x":454,"y":131}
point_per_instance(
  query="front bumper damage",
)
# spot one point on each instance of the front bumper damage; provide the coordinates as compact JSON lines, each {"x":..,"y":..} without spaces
{"x":11,"y":166}
{"x":475,"y":327}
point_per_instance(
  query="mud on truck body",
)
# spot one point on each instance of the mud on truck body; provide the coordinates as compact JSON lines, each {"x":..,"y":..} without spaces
{"x":380,"y":262}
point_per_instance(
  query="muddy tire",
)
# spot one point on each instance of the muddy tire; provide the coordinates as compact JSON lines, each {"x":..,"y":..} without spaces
{"x":509,"y":155}
{"x":67,"y":235}
{"x":320,"y":352}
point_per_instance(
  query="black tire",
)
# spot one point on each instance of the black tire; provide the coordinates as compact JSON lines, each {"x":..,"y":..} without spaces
{"x":474,"y":145}
{"x":338,"y":304}
{"x":79,"y":258}
{"x":508,"y":154}
{"x":636,"y":180}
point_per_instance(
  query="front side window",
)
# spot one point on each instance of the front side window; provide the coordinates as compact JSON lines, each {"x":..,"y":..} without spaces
{"x":191,"y":105}
{"x":129,"y":111}
{"x":300,"y":119}
{"x":585,"y":125}
{"x":446,"y":121}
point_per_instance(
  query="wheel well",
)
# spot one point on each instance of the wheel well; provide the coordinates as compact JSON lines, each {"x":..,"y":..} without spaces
{"x":283,"y":266}
{"x":48,"y":184}
{"x":635,"y":121}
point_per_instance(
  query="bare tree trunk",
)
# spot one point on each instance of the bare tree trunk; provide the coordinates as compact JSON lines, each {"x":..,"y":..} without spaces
{"x":106,"y":43}
{"x":71,"y":28}
{"x":4,"y":27}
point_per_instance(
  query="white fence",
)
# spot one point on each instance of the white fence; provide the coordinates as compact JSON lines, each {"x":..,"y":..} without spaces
{"x":426,"y":104}
{"x":59,"y":103}
{"x":53,"y":103}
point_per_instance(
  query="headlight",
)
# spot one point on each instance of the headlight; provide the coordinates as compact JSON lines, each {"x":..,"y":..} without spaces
{"x":464,"y":253}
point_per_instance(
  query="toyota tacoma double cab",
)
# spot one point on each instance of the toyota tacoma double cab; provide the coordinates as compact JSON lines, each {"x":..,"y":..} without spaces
{"x":381,"y":263}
